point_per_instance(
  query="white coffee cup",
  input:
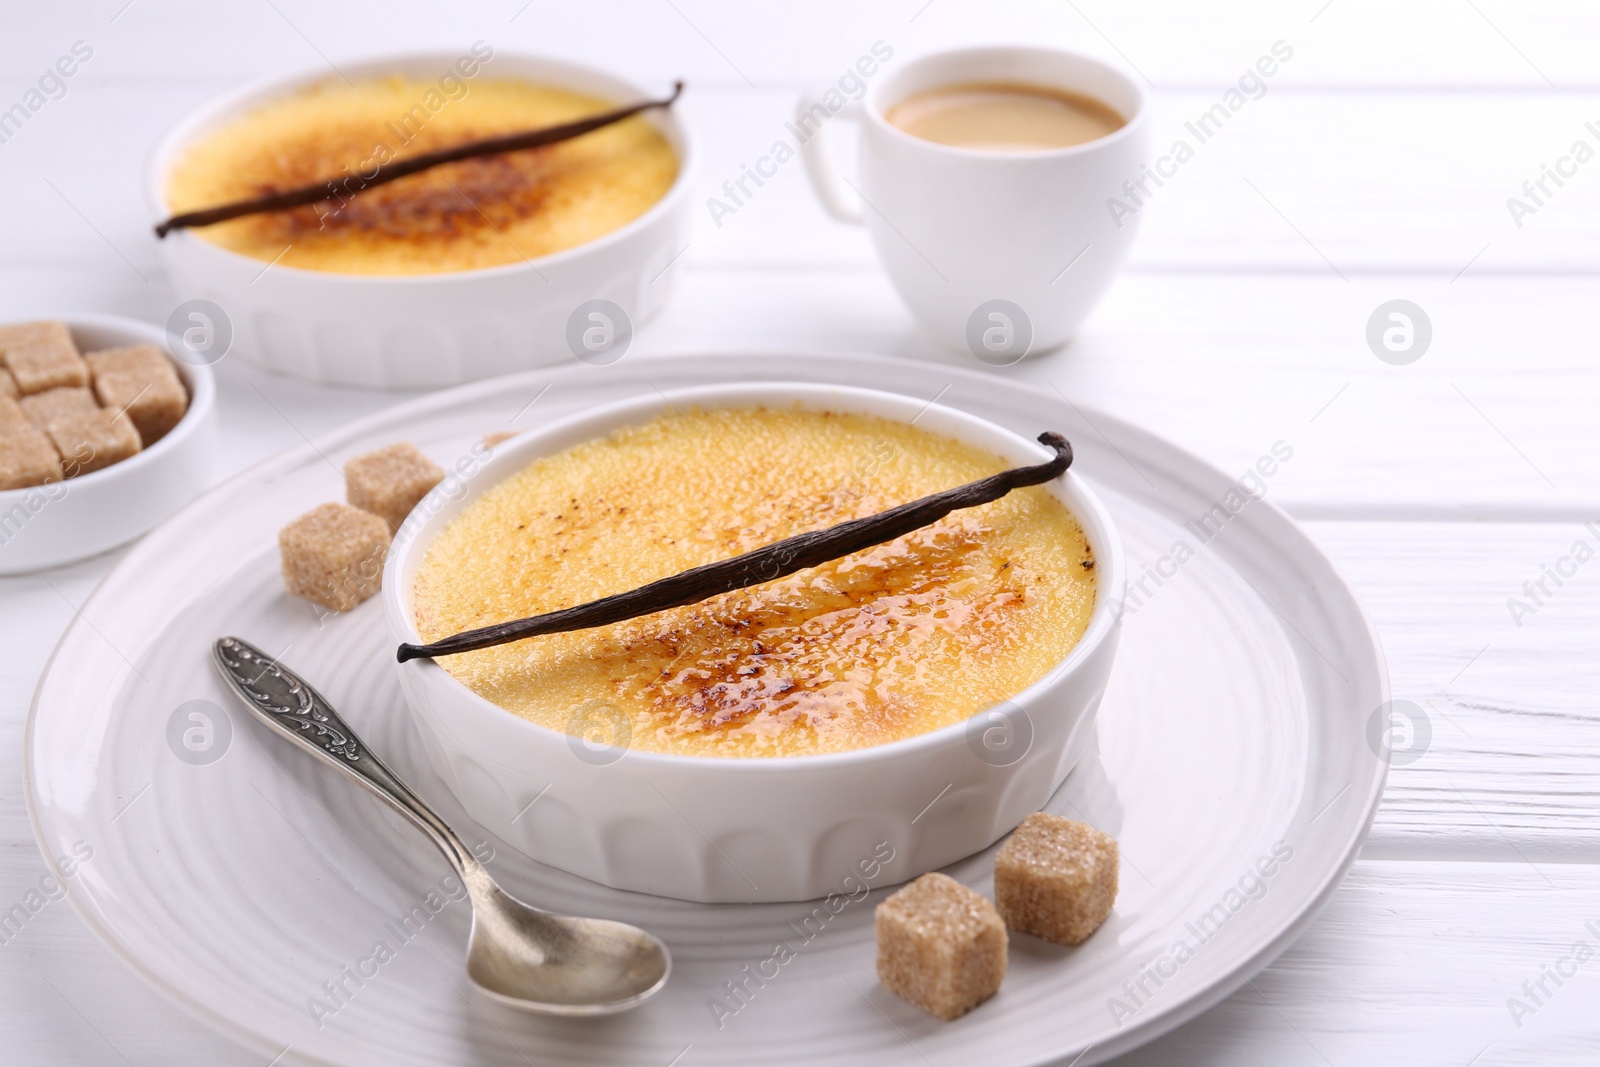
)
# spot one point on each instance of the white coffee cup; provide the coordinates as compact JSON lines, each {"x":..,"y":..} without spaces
{"x":997,"y":253}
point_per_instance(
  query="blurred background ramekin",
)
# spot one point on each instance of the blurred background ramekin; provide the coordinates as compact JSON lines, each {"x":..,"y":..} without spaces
{"x":428,"y":330}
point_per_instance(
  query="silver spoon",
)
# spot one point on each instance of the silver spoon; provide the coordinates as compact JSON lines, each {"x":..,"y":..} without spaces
{"x":520,"y":956}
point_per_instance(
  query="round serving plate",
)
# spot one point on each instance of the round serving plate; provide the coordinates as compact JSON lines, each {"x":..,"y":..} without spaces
{"x":291,"y":910}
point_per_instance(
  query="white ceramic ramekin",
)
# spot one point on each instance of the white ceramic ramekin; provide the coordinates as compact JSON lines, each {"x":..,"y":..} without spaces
{"x":429,"y":330}
{"x":728,"y":830}
{"x":47,"y":525}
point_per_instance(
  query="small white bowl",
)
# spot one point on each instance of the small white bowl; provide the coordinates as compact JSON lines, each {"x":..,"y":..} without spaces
{"x":48,"y":525}
{"x":754,"y":829}
{"x":426,"y":330}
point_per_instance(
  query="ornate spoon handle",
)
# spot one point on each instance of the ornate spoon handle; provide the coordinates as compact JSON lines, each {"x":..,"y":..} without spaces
{"x":287,"y":703}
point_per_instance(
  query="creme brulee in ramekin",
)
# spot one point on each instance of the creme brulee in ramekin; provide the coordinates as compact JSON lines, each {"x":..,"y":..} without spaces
{"x":978,"y":621}
{"x":889,"y":643}
{"x":457,"y":286}
{"x":471,"y":214}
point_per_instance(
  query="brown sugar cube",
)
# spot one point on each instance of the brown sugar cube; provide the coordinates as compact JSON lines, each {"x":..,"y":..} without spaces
{"x":20,"y":334}
{"x":333,"y":555}
{"x":390,"y":482}
{"x":36,"y":368}
{"x":1055,"y":878}
{"x":88,"y":443}
{"x":940,"y":946}
{"x":141,"y":381}
{"x":8,"y":385}
{"x":27,"y":458}
{"x":154,"y":403}
{"x":12,"y":418}
{"x":44,"y":359}
{"x":52,"y":405}
{"x":146,"y":360}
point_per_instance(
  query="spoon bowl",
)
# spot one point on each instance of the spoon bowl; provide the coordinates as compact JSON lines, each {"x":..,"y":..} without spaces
{"x":517,"y":955}
{"x":553,"y":964}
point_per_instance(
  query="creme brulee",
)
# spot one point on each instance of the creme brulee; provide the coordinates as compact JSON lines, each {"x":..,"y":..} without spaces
{"x":482,"y":212}
{"x":886,"y":644}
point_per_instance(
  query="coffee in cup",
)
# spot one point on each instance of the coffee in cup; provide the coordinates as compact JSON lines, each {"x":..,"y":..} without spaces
{"x":1005,"y":117}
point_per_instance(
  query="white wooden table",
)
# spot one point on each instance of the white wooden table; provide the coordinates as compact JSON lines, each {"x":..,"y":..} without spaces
{"x":1376,"y":167}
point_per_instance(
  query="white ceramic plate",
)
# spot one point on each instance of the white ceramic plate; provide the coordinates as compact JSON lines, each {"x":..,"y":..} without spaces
{"x":257,"y":888}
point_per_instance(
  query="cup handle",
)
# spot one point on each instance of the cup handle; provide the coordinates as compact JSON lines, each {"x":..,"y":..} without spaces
{"x":840,"y":200}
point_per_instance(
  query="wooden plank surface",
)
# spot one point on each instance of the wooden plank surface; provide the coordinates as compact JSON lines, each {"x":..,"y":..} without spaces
{"x":1511,"y":694}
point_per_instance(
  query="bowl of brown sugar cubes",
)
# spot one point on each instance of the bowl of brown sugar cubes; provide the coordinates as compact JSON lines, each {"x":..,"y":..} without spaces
{"x":102,"y":435}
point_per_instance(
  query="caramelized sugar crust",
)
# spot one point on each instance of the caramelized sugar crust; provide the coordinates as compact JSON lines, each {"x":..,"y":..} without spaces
{"x":474,"y":213}
{"x":888,"y":643}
